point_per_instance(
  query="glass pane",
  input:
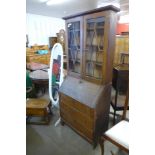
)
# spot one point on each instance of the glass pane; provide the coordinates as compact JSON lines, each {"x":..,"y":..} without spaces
{"x":74,"y":46}
{"x":94,"y":48}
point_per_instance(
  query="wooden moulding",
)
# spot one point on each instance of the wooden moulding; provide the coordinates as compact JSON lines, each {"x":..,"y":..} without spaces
{"x":106,"y":8}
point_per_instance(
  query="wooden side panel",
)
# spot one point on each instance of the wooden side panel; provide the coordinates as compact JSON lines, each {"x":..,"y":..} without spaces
{"x":102,"y":112}
{"x":109,"y":55}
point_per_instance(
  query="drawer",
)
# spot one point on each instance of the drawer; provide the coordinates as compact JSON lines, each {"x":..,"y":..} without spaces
{"x":81,"y":118}
{"x":77,"y":105}
{"x":67,"y":117}
{"x":35,"y":112}
{"x":84,"y":109}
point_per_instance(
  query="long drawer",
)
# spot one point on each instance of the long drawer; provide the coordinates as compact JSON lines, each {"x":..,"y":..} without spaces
{"x":89,"y":112}
{"x":68,"y":117}
{"x":81,"y":118}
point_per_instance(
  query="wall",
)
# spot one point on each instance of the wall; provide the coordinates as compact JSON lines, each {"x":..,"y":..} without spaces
{"x":40,"y":28}
{"x":121,"y":27}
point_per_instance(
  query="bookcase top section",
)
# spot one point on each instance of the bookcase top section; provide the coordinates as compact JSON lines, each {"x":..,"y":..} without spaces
{"x":81,"y":90}
{"x":105,"y":8}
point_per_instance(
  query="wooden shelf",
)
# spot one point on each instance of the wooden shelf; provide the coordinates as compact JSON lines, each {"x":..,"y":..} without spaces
{"x":90,"y":29}
{"x":93,"y":77}
{"x":76,"y":30}
{"x":77,"y":61}
{"x":95,"y":62}
{"x":74,"y":46}
{"x":100,"y":27}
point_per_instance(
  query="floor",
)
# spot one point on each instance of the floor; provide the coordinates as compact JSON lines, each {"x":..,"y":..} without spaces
{"x":61,"y":140}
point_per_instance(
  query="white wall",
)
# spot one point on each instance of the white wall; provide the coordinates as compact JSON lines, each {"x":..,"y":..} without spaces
{"x":40,"y":28}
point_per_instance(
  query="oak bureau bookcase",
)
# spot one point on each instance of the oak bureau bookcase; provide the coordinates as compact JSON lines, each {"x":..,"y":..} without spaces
{"x":85,"y":92}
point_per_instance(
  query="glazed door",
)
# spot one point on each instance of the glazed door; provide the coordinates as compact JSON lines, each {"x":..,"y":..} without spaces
{"x":94,"y":47}
{"x":74,"y":46}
